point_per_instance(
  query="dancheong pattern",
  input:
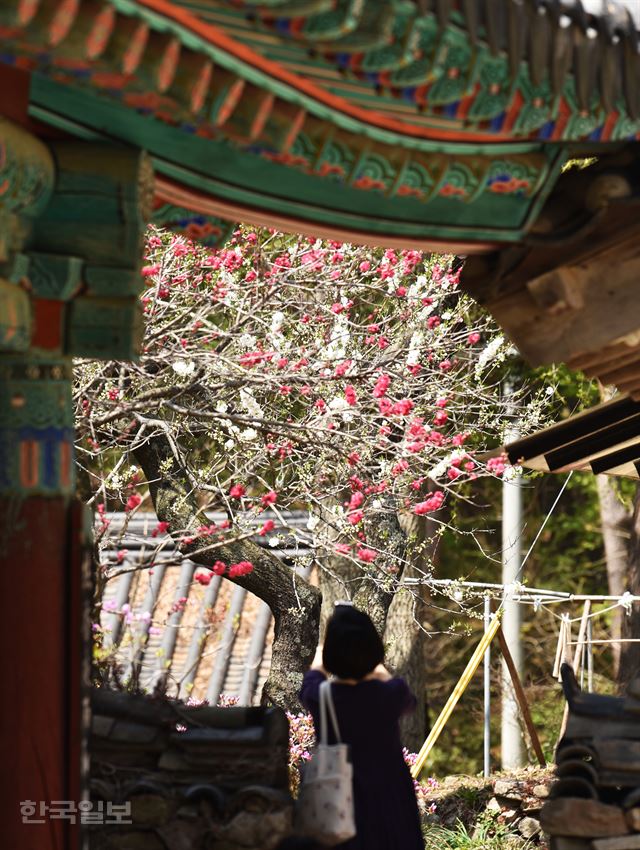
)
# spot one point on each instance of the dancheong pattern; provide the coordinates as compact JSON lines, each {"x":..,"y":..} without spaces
{"x":455,"y":117}
{"x":36,"y":427}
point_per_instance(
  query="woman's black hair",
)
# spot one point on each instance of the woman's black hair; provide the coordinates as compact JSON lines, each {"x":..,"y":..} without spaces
{"x":352,"y":646}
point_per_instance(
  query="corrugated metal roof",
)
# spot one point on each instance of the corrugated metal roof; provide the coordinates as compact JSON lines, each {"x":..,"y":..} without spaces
{"x":204,"y":641}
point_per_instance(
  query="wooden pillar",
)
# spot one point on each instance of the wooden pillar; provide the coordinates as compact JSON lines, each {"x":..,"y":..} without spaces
{"x":40,"y":626}
{"x":35,"y":749}
{"x":72,"y":218}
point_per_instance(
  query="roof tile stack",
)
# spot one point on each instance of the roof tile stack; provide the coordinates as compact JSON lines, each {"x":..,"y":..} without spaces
{"x":595,"y":801}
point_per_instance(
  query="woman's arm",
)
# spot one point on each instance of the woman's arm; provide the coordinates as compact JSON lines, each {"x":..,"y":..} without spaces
{"x":316,"y":664}
{"x":311,"y":683}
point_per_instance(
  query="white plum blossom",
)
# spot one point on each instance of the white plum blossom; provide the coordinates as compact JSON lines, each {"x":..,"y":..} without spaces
{"x":247,"y":341}
{"x":184,"y":368}
{"x":338,"y":404}
{"x":277,"y":320}
{"x":415,"y":345}
{"x":511,"y":473}
{"x":489,"y":352}
{"x":445,"y":463}
{"x":249,"y":403}
{"x":340,"y":336}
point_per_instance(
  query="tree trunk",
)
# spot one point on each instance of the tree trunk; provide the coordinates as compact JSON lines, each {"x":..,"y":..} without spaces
{"x":370,"y":589}
{"x":338,"y":582}
{"x":616,"y":528}
{"x":630,"y":652}
{"x":295,"y":604}
{"x":375,"y":592}
{"x":407,"y":652}
{"x":397,"y":614}
{"x":407,"y":657}
{"x":340,"y":577}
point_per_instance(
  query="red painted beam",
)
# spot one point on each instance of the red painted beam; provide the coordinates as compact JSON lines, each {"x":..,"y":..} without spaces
{"x":37,"y":706}
{"x":14,"y":85}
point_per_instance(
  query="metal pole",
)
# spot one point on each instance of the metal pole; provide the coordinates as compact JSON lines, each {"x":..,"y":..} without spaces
{"x":487,"y":691}
{"x":511,"y":734}
{"x":590,"y":656}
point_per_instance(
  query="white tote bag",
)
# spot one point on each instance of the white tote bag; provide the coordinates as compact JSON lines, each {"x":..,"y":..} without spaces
{"x":324,"y":809}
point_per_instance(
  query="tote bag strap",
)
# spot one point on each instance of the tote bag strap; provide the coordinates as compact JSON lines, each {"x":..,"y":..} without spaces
{"x":327,"y":706}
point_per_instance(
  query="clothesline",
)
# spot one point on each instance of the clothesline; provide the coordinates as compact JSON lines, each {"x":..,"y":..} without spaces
{"x":538,"y":597}
{"x":524,"y":594}
{"x":624,"y":601}
{"x":603,"y":640}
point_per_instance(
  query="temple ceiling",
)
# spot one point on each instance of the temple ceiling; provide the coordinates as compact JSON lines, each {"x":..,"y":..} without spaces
{"x":440,"y":125}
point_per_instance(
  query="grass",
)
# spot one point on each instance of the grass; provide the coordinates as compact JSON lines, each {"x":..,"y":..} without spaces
{"x":487,"y":834}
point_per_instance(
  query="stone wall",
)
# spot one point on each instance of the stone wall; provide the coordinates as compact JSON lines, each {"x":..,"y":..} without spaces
{"x":510,"y":799}
{"x":195,"y":778}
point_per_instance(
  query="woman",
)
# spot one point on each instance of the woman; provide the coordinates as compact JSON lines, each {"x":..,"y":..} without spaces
{"x":368,"y":703}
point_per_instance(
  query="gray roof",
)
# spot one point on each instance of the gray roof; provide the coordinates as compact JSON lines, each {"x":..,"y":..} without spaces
{"x":216,"y":641}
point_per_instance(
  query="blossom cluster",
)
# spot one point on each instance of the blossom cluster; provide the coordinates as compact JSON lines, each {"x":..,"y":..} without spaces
{"x":219,"y":568}
{"x":142,"y":620}
{"x":423,"y":788}
{"x":290,"y":373}
{"x":302,"y":740}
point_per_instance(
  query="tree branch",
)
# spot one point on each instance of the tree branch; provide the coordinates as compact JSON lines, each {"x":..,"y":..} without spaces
{"x":295,"y":603}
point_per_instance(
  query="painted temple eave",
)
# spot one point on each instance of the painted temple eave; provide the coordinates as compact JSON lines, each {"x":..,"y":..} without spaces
{"x":237,"y":127}
{"x":175,"y":194}
{"x":243,"y":133}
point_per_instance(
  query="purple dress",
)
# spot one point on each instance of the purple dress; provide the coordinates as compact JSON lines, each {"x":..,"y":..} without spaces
{"x":386,"y":810}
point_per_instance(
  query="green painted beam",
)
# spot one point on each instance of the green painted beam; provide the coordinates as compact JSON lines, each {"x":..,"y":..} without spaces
{"x":245,"y":178}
